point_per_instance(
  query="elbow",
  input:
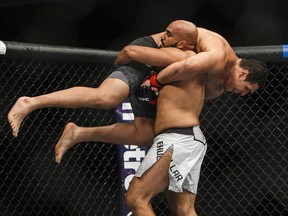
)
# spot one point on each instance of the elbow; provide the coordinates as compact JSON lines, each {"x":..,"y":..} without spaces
{"x":124,"y":56}
{"x":128,"y":51}
{"x":186,"y":70}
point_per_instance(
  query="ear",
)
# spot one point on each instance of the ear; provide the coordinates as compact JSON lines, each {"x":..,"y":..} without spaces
{"x":181,"y":44}
{"x":243,"y":74}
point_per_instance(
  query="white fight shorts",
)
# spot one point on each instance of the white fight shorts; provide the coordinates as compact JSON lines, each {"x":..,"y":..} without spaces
{"x":188,"y":146}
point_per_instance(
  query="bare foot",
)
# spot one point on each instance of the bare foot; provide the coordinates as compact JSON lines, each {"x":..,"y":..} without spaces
{"x":17,"y":114}
{"x":66,"y":141}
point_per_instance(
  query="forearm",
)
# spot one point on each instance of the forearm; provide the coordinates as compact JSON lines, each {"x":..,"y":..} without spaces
{"x":159,"y":57}
{"x":132,"y":53}
{"x":170,"y":74}
{"x":187,"y":69}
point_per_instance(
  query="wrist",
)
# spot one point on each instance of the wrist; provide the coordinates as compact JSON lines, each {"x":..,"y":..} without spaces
{"x":154,"y":82}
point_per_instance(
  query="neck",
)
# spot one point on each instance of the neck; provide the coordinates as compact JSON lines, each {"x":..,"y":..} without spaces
{"x":237,"y":62}
{"x":230,"y":77}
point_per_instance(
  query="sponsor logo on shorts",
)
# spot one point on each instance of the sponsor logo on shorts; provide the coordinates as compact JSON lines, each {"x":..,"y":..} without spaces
{"x":175,"y":172}
{"x":160,"y":150}
{"x":144,"y":99}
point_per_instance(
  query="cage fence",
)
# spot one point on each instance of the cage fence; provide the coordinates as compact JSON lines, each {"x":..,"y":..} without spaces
{"x":245,"y":170}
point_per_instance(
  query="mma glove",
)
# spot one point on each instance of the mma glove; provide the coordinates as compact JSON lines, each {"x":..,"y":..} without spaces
{"x":154,"y":82}
{"x":145,"y":93}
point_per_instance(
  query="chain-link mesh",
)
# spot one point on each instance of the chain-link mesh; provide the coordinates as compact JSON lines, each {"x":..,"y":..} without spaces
{"x":86,"y":182}
{"x":245,"y":170}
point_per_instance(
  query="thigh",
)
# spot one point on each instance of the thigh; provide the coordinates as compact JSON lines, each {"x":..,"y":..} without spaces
{"x":144,"y":130}
{"x":154,"y":180}
{"x":113,"y":89}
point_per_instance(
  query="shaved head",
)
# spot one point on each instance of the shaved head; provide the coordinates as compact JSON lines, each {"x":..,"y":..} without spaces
{"x":185,"y":30}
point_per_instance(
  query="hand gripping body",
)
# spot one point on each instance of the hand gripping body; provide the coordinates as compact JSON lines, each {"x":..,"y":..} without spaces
{"x":154,"y":82}
{"x":146,"y":92}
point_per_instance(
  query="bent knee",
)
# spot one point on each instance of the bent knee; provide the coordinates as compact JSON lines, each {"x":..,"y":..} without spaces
{"x":133,"y":200}
{"x":129,"y":200}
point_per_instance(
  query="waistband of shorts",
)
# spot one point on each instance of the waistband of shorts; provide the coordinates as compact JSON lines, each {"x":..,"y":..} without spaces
{"x":183,"y":131}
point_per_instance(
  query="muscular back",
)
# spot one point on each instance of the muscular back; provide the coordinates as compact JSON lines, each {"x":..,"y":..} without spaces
{"x":223,"y":58}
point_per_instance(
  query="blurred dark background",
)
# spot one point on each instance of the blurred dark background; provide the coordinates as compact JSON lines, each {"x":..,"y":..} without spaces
{"x":110,"y":24}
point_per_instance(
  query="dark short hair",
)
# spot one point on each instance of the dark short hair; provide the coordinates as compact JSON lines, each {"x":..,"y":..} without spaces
{"x":258,"y":71}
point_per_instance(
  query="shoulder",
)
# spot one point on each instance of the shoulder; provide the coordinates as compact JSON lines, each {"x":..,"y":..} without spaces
{"x":144,"y":41}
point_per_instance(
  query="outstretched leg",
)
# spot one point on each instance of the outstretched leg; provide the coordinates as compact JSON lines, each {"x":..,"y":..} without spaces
{"x":138,"y":133}
{"x":110,"y":93}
